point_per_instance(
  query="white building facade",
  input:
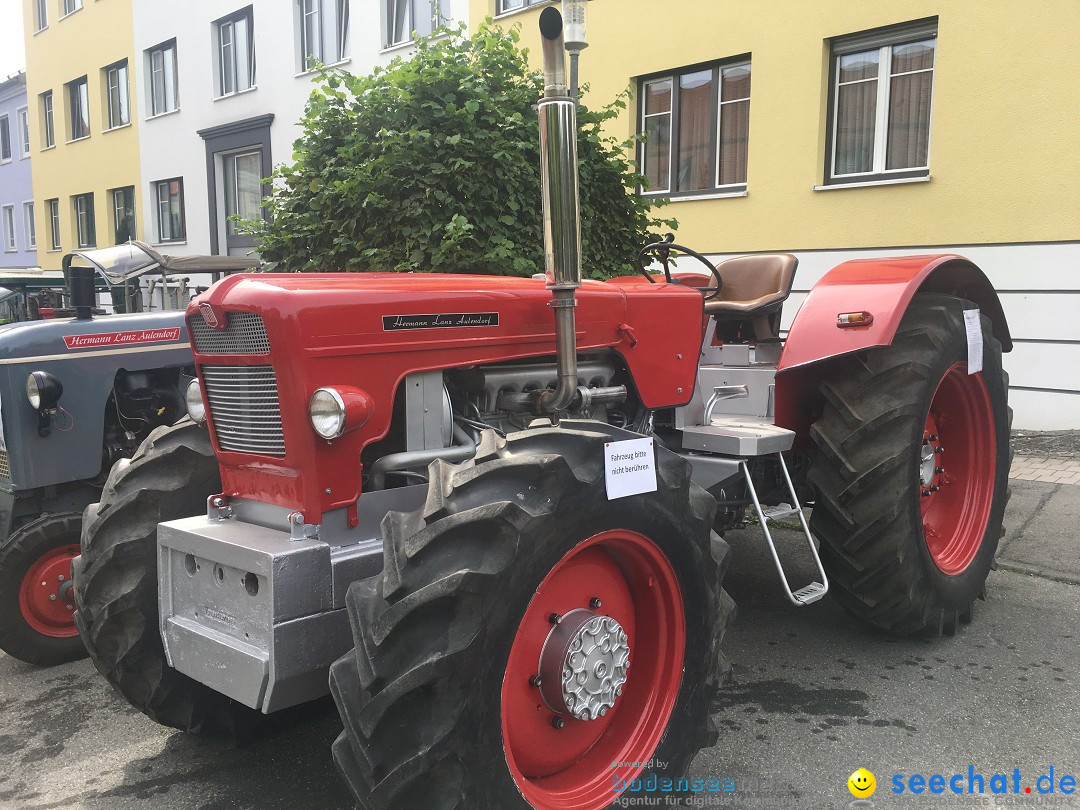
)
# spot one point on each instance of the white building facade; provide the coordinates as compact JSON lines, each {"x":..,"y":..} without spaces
{"x":223,"y":85}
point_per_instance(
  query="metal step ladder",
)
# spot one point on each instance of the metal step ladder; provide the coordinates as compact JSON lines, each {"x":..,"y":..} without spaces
{"x":815,"y":590}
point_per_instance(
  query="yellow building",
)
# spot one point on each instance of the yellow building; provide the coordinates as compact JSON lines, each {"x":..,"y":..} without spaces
{"x":83,"y":131}
{"x":838,"y":128}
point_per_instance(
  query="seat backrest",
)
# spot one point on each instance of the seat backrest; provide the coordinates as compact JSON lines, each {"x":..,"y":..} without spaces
{"x":753,"y":278}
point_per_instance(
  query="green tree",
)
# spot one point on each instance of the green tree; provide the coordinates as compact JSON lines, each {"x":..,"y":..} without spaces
{"x":432,"y":164}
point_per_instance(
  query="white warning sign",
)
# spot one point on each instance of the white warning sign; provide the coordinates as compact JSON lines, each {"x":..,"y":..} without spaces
{"x":973,"y":327}
{"x":629,"y":467}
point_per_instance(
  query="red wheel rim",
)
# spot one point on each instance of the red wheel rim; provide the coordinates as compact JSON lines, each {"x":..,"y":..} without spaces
{"x":46,"y":598}
{"x":585,"y":765}
{"x":957,"y":469}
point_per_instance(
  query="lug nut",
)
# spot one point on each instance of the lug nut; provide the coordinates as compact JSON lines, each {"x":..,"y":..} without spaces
{"x":939,"y":449}
{"x":52,"y":597}
{"x":554,"y":618}
{"x":60,"y":577}
{"x":932,"y":437}
{"x":595,"y":603}
{"x":939,"y":470}
{"x":534,"y":680}
{"x":557,"y":722}
{"x":926,"y":493}
{"x":934,"y":488}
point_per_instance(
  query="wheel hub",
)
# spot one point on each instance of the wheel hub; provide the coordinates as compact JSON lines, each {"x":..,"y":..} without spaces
{"x":583,"y":664}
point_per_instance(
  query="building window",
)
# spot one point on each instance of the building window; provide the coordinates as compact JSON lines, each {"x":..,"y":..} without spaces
{"x":5,"y":139}
{"x":324,"y":31}
{"x":236,"y":53}
{"x":31,"y":226}
{"x":54,"y":223}
{"x":79,"y":109}
{"x":882,"y":93}
{"x":47,"y":131}
{"x":116,"y":93}
{"x":243,"y":187}
{"x":70,"y":6}
{"x":123,"y":205}
{"x":406,"y":18}
{"x":696,"y":125}
{"x":9,"y":228}
{"x":504,"y":6}
{"x":24,"y":132}
{"x":85,"y":234}
{"x":163,"y":78}
{"x":42,"y":9}
{"x":170,"y":208}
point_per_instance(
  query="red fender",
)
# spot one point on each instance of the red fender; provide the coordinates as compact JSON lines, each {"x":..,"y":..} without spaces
{"x":884,"y":288}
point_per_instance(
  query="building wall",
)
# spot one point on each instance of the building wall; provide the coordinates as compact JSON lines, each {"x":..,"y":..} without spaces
{"x":83,"y":43}
{"x":171,"y":143}
{"x":15,"y":183}
{"x":1004,"y":181}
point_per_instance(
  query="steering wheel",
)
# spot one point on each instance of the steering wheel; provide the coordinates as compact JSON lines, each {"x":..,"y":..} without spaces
{"x":662,"y":250}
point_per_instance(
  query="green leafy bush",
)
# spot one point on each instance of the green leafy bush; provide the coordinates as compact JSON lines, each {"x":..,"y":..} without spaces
{"x":432,"y":164}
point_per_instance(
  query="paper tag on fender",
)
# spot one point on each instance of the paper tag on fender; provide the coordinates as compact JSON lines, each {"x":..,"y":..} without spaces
{"x":629,"y":467}
{"x":973,"y":326}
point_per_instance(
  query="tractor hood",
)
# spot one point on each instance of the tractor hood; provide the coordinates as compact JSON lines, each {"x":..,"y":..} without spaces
{"x":292,"y":334}
{"x":43,"y":341}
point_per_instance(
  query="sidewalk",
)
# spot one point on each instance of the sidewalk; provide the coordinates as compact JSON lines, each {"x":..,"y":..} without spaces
{"x":1045,"y":468}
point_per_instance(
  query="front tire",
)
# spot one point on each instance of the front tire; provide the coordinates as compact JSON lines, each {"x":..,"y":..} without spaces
{"x":171,"y":475}
{"x":436,"y":698}
{"x":36,"y":606}
{"x":912,"y":473}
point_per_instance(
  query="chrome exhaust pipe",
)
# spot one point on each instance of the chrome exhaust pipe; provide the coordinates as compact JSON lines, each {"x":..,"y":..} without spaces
{"x":562,"y":218}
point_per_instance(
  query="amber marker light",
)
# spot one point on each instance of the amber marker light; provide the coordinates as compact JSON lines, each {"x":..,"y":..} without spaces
{"x":846,"y":319}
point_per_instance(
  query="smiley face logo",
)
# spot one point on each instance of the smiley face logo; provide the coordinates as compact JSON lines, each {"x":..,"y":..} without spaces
{"x":862,"y":784}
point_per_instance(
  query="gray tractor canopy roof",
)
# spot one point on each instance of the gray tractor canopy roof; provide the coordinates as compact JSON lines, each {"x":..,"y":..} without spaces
{"x":123,"y":262}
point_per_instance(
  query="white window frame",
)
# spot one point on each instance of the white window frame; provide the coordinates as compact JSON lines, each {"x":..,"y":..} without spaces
{"x":7,"y":214}
{"x":30,"y":225}
{"x":883,"y":41}
{"x":330,"y":25}
{"x":161,"y":62}
{"x":116,"y":82}
{"x":84,"y":221}
{"x":5,"y":130}
{"x":55,"y":242}
{"x":406,"y":10}
{"x":164,"y":206}
{"x":22,"y":116}
{"x":510,"y":6}
{"x":84,"y":101}
{"x":229,"y":66}
{"x":117,"y":194}
{"x":716,"y":189}
{"x":42,"y":12}
{"x":68,"y":7}
{"x":48,"y":131}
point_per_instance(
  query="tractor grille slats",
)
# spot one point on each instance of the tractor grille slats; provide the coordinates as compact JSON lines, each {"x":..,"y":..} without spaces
{"x":244,"y":333}
{"x":5,"y":469}
{"x":244,"y":405}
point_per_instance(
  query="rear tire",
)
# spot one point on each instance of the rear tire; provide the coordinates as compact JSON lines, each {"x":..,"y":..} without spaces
{"x":431,"y":698}
{"x":171,"y":475}
{"x":35,"y":623}
{"x":887,"y":482}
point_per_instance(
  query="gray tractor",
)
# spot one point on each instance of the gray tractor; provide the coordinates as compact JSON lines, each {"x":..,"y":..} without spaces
{"x":78,"y":392}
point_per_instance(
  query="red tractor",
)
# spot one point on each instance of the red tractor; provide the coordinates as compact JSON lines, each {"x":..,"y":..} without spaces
{"x":498,"y":534}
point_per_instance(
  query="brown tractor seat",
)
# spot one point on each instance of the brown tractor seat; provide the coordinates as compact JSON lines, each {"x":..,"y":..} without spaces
{"x":755,"y":288}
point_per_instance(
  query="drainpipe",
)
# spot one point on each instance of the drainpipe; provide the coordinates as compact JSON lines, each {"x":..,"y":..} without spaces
{"x":562,"y":223}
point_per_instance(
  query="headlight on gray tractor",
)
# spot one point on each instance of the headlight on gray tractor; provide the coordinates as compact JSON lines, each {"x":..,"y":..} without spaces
{"x":43,"y":390}
{"x":326,"y":409}
{"x":194,"y":401}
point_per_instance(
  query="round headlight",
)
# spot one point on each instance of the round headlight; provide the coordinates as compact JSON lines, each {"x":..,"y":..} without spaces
{"x":43,"y":390}
{"x":194,"y":401}
{"x":326,"y":409}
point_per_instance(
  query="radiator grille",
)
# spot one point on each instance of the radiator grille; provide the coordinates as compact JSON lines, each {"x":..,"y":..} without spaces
{"x":244,"y":405}
{"x":5,"y":470}
{"x":244,"y":333}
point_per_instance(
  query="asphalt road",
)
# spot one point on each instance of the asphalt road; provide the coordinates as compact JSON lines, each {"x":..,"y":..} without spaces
{"x":814,"y":697}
